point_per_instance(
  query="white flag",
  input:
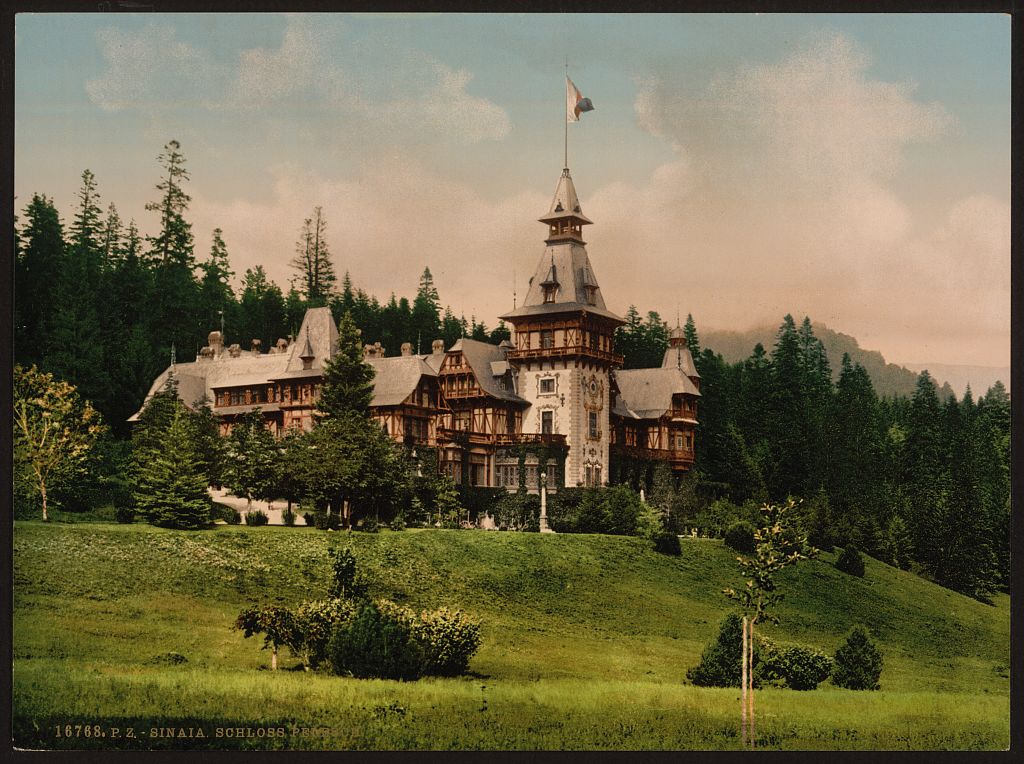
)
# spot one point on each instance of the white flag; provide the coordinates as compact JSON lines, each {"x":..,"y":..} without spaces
{"x":575,"y":103}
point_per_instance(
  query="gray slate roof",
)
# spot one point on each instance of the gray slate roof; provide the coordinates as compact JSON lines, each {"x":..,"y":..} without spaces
{"x":680,"y":358}
{"x":395,"y":378}
{"x":480,"y":356}
{"x":647,"y":393}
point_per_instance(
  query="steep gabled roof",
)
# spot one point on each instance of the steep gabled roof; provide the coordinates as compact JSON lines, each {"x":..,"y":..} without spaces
{"x":319,"y":330}
{"x":395,"y":378}
{"x":480,"y":356}
{"x":647,"y":393}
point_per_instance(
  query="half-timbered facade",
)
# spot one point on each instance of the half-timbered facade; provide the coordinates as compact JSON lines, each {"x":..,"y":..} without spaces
{"x":552,"y":400}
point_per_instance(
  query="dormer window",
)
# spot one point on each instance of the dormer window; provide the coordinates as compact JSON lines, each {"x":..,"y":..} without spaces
{"x":591,"y":295}
{"x":549,"y":293}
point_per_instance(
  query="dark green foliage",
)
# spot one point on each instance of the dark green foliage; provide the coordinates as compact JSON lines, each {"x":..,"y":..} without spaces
{"x":667,"y":542}
{"x":520,"y":511}
{"x":720,"y":664}
{"x":397,"y":523}
{"x":740,"y":537}
{"x":374,"y":644}
{"x":850,"y":561}
{"x":858,"y":663}
{"x":234,"y":517}
{"x":256,"y":517}
{"x":310,"y":518}
{"x":288,"y":518}
{"x":797,"y":667}
{"x":346,"y":584}
{"x":642,"y":343}
{"x":170,"y":483}
{"x":252,"y":458}
{"x":315,"y":622}
{"x":124,"y":515}
{"x":348,"y":379}
{"x":313,"y":260}
{"x":277,"y":624}
{"x":369,"y":525}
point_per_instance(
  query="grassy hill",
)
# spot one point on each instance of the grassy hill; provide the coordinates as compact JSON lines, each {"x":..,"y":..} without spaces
{"x":586,"y":643}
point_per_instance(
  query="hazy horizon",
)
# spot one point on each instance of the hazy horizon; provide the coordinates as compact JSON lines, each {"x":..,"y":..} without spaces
{"x":852,"y":168}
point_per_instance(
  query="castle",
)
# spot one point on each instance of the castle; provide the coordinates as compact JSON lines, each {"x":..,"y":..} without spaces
{"x":555,"y":399}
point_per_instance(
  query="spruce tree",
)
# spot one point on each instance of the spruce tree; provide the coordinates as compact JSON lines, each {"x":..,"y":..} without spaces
{"x":250,"y":458}
{"x":313,"y":260}
{"x":40,"y":262}
{"x":171,"y":486}
{"x":690,"y":333}
{"x":173,"y":243}
{"x":426,"y":316}
{"x":216,"y":296}
{"x":348,"y":379}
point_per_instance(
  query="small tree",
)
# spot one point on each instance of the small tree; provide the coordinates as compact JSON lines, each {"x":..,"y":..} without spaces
{"x":348,"y":379}
{"x":850,"y":561}
{"x":250,"y":469}
{"x":447,"y":506}
{"x":54,"y":430}
{"x":718,"y":666}
{"x":170,"y":487}
{"x":858,"y":664}
{"x":276,"y":623}
{"x":776,"y":546}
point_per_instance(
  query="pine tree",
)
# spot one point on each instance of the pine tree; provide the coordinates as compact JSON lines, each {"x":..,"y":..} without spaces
{"x":40,"y":262}
{"x":690,"y":333}
{"x":348,"y":380}
{"x":112,"y":239}
{"x":173,"y":244}
{"x":216,"y":296}
{"x":171,"y":486}
{"x":426,"y":316}
{"x":313,"y":260}
{"x":261,"y":309}
{"x":451,"y":329}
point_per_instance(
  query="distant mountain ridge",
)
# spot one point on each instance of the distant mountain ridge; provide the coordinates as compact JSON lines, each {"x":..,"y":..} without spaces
{"x":889,"y":379}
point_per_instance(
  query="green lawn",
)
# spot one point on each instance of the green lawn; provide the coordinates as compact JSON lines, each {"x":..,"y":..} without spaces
{"x":586,"y":643}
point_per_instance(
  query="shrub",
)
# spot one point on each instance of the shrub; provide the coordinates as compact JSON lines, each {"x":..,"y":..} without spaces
{"x":235,"y":518}
{"x":740,"y":536}
{"x":345,"y":581}
{"x":649,"y":522}
{"x":667,"y":542}
{"x":518,"y":512}
{"x":720,"y":662}
{"x":795,"y":666}
{"x":315,"y":623}
{"x":288,"y":517}
{"x":309,"y":518}
{"x":850,"y":561}
{"x":256,"y":517}
{"x":370,"y":524}
{"x":397,"y":523}
{"x":448,"y":638}
{"x":326,"y":520}
{"x":375,"y":644}
{"x":858,"y":663}
{"x":124,"y":514}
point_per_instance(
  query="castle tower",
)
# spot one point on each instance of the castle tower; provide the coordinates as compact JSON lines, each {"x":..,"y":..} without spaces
{"x":564,"y":352}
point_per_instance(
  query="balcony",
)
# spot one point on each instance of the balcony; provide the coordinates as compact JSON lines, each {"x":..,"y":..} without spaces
{"x":564,"y":352}
{"x":673,"y":457}
{"x":523,"y":438}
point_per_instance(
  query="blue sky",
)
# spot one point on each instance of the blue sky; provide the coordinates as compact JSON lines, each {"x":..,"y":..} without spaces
{"x":851,"y":167}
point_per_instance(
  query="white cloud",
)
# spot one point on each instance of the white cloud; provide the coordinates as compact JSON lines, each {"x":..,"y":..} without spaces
{"x":315,"y":73}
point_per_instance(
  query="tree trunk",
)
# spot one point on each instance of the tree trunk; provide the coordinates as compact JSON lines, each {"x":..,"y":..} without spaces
{"x":42,"y":490}
{"x":273,"y":658}
{"x":753,"y":735}
{"x":743,"y":683}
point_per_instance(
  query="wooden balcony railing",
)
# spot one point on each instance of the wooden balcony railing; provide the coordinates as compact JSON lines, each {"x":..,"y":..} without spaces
{"x":517,"y":438}
{"x":563,"y":352}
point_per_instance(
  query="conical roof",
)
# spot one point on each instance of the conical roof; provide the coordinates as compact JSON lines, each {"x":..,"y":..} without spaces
{"x":565,"y":203}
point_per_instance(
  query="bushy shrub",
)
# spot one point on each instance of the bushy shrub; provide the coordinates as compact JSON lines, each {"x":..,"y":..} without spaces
{"x":720,"y":662}
{"x":256,"y":517}
{"x":370,"y":524}
{"x":447,"y":638}
{"x":315,"y":623}
{"x":858,"y":663}
{"x":564,"y":509}
{"x":850,"y":561}
{"x":288,"y":517}
{"x":716,"y":518}
{"x":667,"y":542}
{"x":649,"y":522}
{"x":346,"y":583}
{"x":309,"y":518}
{"x":397,"y":523}
{"x":325,"y":520}
{"x":797,"y":667}
{"x":740,"y":536}
{"x":235,"y":518}
{"x":124,"y":514}
{"x":375,"y":644}
{"x":518,"y":512}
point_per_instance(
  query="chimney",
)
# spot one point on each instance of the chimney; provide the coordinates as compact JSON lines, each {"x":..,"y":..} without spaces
{"x":235,"y":351}
{"x":378,"y":349}
{"x":368,"y":350}
{"x":216,"y":343}
{"x":406,"y":348}
{"x":437,"y":346}
{"x":256,"y":346}
{"x":282,"y":345}
{"x":206,"y":353}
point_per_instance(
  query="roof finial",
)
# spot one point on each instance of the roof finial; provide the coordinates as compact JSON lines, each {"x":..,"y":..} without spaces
{"x":172,"y":355}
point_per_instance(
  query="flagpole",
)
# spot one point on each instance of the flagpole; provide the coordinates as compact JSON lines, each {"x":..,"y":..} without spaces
{"x":566,"y":118}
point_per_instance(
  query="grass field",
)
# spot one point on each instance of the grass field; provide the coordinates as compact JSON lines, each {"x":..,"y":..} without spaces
{"x":586,"y":643}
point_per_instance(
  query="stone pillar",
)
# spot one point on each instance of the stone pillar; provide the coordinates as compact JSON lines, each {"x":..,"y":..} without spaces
{"x":544,"y":504}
